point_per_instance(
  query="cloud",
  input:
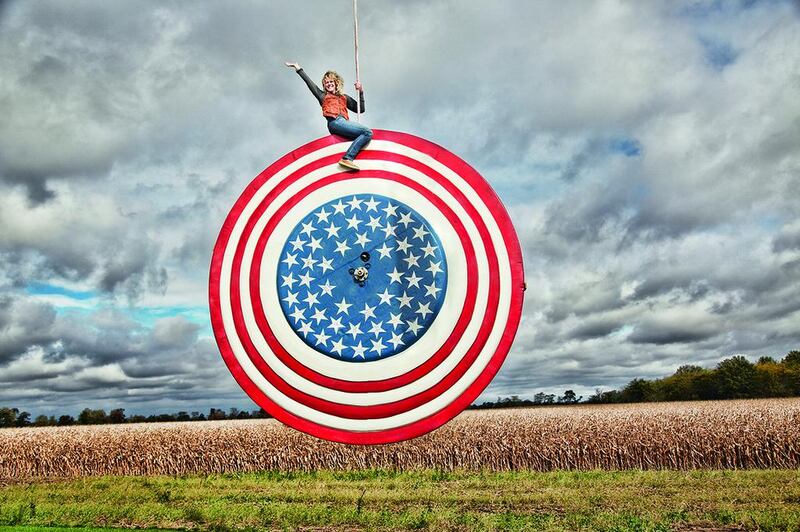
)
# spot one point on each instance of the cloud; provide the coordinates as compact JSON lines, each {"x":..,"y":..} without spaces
{"x":646,"y":152}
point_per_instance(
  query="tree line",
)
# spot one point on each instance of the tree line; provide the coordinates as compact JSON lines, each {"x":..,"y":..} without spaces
{"x":733,"y":378}
{"x":12,"y":417}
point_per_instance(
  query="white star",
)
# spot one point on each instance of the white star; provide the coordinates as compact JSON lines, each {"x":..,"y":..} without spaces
{"x":412,"y":260}
{"x":325,"y":264}
{"x":386,"y":297}
{"x":298,"y":314}
{"x":384,"y":250}
{"x":353,"y":222}
{"x":319,"y":315}
{"x":336,"y":324}
{"x":322,"y":338}
{"x":389,"y":230}
{"x":315,"y":244}
{"x":414,"y":326}
{"x":403,"y":245}
{"x":405,"y":300}
{"x":297,"y":243}
{"x":394,"y":276}
{"x":327,"y":288}
{"x":374,"y":223}
{"x":355,"y":204}
{"x":377,"y":346}
{"x":311,"y":299}
{"x":413,"y":280}
{"x":290,"y":260}
{"x":377,"y":328}
{"x":390,"y":210}
{"x":305,"y":328}
{"x":362,"y":240}
{"x":342,"y":247}
{"x":395,"y":321}
{"x":405,"y":219}
{"x":355,"y":330}
{"x":420,"y":232}
{"x":395,"y":341}
{"x":309,"y":262}
{"x":322,"y":215}
{"x":358,"y":350}
{"x":333,"y":231}
{"x":337,"y":347}
{"x":424,"y":310}
{"x":308,"y":228}
{"x":368,"y":312}
{"x":291,"y":298}
{"x":288,"y":280}
{"x":431,"y":290}
{"x":306,"y":279}
{"x":372,"y":205}
{"x":343,"y":306}
{"x":429,"y":250}
{"x":339,"y":208}
{"x":434,"y":268}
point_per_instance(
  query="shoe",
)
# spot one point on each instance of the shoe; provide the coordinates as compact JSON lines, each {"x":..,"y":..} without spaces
{"x":347,"y":163}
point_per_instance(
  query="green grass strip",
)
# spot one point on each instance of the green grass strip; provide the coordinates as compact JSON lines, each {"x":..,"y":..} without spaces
{"x":428,"y":500}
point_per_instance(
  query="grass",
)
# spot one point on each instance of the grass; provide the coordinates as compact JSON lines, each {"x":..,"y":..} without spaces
{"x":434,"y":500}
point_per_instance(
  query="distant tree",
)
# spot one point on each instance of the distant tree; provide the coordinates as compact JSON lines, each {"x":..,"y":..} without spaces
{"x":638,"y":391}
{"x":260,"y":414}
{"x":117,"y":415}
{"x":215,"y":414}
{"x":792,"y":359}
{"x":182,"y":416}
{"x":736,"y":378}
{"x":569,"y":398}
{"x":765,"y":360}
{"x":92,"y":417}
{"x":65,"y":420}
{"x":23,"y":419}
{"x":43,"y":421}
{"x":8,"y":416}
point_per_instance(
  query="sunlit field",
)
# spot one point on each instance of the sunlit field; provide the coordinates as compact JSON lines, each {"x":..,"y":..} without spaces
{"x":763,"y":434}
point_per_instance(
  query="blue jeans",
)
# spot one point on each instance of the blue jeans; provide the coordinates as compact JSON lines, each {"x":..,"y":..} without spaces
{"x":350,"y":130}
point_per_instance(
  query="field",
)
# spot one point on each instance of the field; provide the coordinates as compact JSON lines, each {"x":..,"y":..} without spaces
{"x":762,"y":434}
{"x":727,"y":465}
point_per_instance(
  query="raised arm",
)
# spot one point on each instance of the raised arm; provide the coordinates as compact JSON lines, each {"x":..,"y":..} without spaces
{"x":316,"y":91}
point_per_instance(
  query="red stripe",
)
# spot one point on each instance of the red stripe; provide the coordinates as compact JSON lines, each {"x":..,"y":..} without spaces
{"x":377,"y":385}
{"x":351,"y":411}
{"x":446,"y":413}
{"x":278,"y":349}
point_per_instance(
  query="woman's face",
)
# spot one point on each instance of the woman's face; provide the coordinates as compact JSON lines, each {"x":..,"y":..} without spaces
{"x":329,"y":84}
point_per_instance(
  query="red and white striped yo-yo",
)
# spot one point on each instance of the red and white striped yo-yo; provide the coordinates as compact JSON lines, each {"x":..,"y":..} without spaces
{"x":367,"y":307}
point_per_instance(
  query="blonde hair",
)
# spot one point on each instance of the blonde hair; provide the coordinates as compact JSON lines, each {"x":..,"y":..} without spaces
{"x":331,"y":74}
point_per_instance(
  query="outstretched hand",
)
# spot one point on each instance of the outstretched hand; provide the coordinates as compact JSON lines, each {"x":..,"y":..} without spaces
{"x":295,"y":66}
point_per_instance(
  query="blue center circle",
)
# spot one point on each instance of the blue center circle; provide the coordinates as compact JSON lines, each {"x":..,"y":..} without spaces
{"x":362,"y":277}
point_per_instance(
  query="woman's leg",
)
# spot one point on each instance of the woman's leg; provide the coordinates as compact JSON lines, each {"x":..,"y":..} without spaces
{"x":351,"y":130}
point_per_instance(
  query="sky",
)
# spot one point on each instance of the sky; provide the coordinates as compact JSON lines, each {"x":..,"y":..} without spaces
{"x":648,"y":154}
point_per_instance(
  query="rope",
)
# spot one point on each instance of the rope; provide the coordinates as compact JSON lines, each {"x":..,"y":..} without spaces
{"x":358,"y":79}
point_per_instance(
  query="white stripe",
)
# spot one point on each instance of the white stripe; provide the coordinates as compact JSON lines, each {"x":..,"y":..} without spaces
{"x":372,"y":370}
{"x":429,"y":408}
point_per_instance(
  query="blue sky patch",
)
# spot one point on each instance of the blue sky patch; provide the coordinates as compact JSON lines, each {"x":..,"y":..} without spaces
{"x":47,"y":289}
{"x":718,"y":54}
{"x":626,"y":146}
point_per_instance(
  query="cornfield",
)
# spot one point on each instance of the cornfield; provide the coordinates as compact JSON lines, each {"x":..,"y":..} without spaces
{"x":719,"y":435}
